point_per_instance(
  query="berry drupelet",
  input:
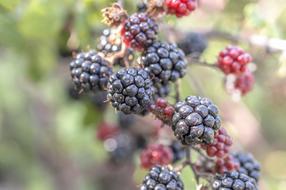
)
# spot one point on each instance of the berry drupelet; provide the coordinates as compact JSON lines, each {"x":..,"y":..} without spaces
{"x":156,"y":154}
{"x":131,"y":91}
{"x":234,"y":181}
{"x":90,"y":72}
{"x":195,"y":120}
{"x":180,"y":8}
{"x":165,"y":62}
{"x":226,"y":164}
{"x":248,"y":165}
{"x":233,"y":60}
{"x":162,"y":178}
{"x":139,"y":31}
{"x":221,"y":145}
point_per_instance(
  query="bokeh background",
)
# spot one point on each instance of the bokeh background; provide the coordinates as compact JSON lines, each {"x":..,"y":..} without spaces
{"x":47,"y":139}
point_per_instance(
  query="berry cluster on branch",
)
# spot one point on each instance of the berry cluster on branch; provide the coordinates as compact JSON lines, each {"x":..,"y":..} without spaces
{"x":140,"y":87}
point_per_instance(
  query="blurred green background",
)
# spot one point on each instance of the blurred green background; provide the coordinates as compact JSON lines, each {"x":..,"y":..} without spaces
{"x":47,"y":140}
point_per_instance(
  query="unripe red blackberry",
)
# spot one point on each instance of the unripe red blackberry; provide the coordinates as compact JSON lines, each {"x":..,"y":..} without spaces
{"x":156,"y":154}
{"x":109,"y":42}
{"x":165,"y":62}
{"x":131,"y":91}
{"x":90,"y":72}
{"x":163,"y":111}
{"x":233,"y":60}
{"x":139,"y":31}
{"x":244,"y":82}
{"x":195,"y":120}
{"x":221,"y":145}
{"x":180,"y":7}
{"x":226,"y":164}
{"x":234,"y":181}
{"x":162,"y":178}
{"x":248,"y":165}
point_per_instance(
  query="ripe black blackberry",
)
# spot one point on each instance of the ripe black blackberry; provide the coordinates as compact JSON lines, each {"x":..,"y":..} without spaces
{"x":139,"y":31}
{"x":248,"y":165}
{"x":193,"y":44}
{"x":179,"y":152}
{"x":90,"y":72}
{"x":109,"y":42}
{"x":195,"y":120}
{"x":162,"y":178}
{"x":165,"y":62}
{"x":131,"y":91}
{"x":234,"y":181}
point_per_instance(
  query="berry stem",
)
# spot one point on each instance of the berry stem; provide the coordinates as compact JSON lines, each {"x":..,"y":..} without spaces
{"x":177,"y":91}
{"x":192,"y":166}
{"x":194,"y":61}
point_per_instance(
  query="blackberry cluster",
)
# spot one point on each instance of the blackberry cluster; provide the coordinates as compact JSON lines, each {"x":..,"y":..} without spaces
{"x":162,"y":178}
{"x":109,"y":42}
{"x":156,"y":154}
{"x":248,"y":165}
{"x":221,"y":145}
{"x":244,"y":82}
{"x":180,"y":8}
{"x":195,"y":120}
{"x":139,"y":31}
{"x":131,"y":91}
{"x":179,"y":152}
{"x":90,"y":72}
{"x":193,"y":44}
{"x":165,"y":62}
{"x":233,"y":60}
{"x":234,"y":181}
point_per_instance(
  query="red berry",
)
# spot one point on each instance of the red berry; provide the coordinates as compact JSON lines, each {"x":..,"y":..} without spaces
{"x":180,"y":7}
{"x":226,"y":164}
{"x":233,"y":60}
{"x":220,"y":147}
{"x":106,"y":131}
{"x":156,"y":154}
{"x":244,"y":82}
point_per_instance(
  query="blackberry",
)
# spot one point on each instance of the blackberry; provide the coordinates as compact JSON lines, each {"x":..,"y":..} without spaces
{"x":163,"y":111}
{"x":244,"y":83}
{"x":179,"y":152}
{"x":156,"y":154}
{"x":248,"y":165}
{"x":193,"y":44}
{"x":90,"y":72}
{"x":225,"y":164}
{"x":233,"y":60}
{"x":131,"y":91}
{"x":195,"y":120}
{"x":162,"y":178}
{"x":72,"y":92}
{"x":139,"y":31}
{"x":165,"y":62}
{"x":234,"y":181}
{"x":109,"y":42}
